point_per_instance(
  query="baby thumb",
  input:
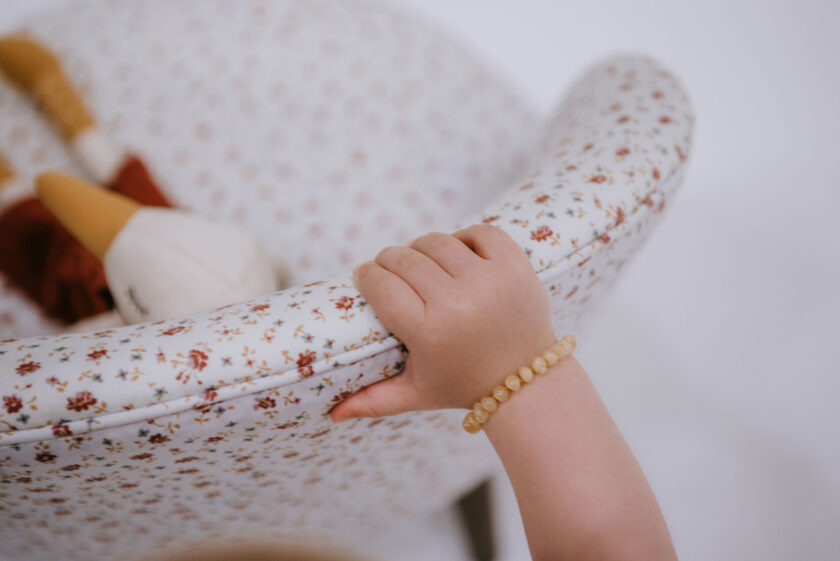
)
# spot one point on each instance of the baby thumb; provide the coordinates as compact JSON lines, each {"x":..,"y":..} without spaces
{"x":388,"y":397}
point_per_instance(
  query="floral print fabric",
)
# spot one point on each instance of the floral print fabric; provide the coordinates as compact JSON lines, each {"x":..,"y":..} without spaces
{"x":117,"y":441}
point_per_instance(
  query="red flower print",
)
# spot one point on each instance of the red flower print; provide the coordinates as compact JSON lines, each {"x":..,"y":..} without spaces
{"x":622,"y":152}
{"x":61,"y":430}
{"x":489,"y":219}
{"x":81,"y":401}
{"x":143,"y":456}
{"x":265,"y":403}
{"x":656,"y":174}
{"x":345,"y":303}
{"x":619,"y":216}
{"x":541,"y":234}
{"x":260,"y":307}
{"x":600,"y":178}
{"x":623,"y":119}
{"x":542,"y":199}
{"x":664,"y":119}
{"x":657,"y":94}
{"x":158,"y":438}
{"x":197,"y":359}
{"x":341,"y":396}
{"x":173,"y":330}
{"x":97,"y":354}
{"x":305,"y":359}
{"x":12,"y":403}
{"x":70,"y":467}
{"x":25,"y":368}
{"x":45,"y":457}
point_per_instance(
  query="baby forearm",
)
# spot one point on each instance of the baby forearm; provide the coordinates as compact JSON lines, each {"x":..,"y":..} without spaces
{"x":581,"y":492}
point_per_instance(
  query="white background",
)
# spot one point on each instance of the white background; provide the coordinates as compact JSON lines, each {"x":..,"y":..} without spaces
{"x":717,"y":352}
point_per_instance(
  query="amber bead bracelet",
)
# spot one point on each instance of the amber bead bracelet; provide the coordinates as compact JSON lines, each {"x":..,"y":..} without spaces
{"x":482,"y":409}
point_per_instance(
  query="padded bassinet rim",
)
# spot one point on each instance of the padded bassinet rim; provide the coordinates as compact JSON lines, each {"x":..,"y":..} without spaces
{"x":291,"y":376}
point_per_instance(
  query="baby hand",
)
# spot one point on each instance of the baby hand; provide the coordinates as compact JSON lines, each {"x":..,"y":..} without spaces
{"x":470,"y":309}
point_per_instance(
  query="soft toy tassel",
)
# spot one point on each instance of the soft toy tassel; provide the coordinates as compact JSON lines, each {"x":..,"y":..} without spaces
{"x":37,"y":71}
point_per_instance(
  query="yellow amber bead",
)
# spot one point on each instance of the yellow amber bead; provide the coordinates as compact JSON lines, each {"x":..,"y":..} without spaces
{"x":471,"y":424}
{"x":481,"y":415}
{"x":539,"y":365}
{"x":501,"y":393}
{"x":570,"y":341}
{"x":512,"y":382}
{"x":550,"y":357}
{"x":562,"y":349}
{"x":489,"y":404}
{"x":526,"y":374}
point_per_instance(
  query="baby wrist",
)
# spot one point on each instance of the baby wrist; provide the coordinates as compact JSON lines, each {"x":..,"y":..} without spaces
{"x":486,"y":406}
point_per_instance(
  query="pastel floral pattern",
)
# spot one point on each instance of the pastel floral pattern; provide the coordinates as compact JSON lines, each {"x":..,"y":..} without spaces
{"x":114,"y":440}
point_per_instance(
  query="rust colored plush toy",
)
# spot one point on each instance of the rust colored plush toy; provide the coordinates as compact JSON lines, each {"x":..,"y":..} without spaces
{"x":37,"y":253}
{"x":41,"y":257}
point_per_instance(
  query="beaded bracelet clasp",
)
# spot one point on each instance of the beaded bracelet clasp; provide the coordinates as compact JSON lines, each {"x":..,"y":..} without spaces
{"x":482,"y":409}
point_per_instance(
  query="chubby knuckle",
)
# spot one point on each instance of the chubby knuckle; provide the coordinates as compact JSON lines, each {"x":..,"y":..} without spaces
{"x":501,"y":237}
{"x":384,"y":253}
{"x":405,"y":259}
{"x":373,"y":284}
{"x":492,"y":235}
{"x":429,"y":242}
{"x":395,"y":257}
{"x":433,"y":239}
{"x":486,"y":229}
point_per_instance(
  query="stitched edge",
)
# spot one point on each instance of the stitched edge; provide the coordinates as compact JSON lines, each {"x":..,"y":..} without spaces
{"x":292,"y":376}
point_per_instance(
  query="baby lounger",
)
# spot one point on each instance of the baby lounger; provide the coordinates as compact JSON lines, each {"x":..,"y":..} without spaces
{"x":334,"y":129}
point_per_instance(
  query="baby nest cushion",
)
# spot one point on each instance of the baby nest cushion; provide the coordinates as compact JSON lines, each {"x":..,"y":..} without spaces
{"x":215,"y":423}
